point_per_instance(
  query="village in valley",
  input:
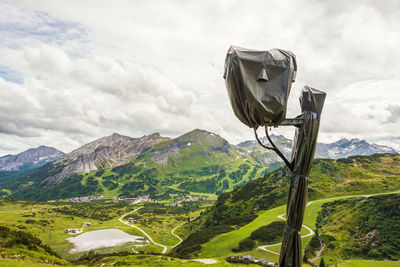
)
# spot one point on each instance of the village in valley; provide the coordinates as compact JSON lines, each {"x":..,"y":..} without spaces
{"x":177,"y":199}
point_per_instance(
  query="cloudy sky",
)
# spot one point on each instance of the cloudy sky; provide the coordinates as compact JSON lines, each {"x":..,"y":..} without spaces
{"x":74,"y":71}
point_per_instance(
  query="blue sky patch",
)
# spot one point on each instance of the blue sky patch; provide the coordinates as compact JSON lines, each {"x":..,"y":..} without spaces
{"x":11,"y":76}
{"x":38,"y":27}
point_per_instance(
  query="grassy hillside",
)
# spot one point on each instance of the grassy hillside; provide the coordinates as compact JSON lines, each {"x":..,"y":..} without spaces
{"x":225,"y":244}
{"x":17,"y":246}
{"x":149,"y":261}
{"x":160,"y":220}
{"x":24,"y":224}
{"x":48,"y":221}
{"x":329,"y":178}
{"x":21,"y":248}
{"x":363,"y":228}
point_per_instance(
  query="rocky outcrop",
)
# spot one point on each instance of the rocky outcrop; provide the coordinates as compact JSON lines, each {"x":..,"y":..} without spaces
{"x":106,"y":152}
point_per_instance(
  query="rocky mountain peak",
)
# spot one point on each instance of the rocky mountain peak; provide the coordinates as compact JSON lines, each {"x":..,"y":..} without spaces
{"x":341,"y":141}
{"x":339,"y":149}
{"x":198,"y":141}
{"x":115,"y":135}
{"x":155,"y":135}
{"x":30,"y":159}
{"x":196,"y":132}
{"x":105,"y":152}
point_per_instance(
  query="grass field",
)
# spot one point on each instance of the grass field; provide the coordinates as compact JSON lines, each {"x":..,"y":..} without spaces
{"x":363,"y":263}
{"x":48,"y":221}
{"x":48,"y":225}
{"x":159,"y":221}
{"x":151,"y":261}
{"x":222,"y":244}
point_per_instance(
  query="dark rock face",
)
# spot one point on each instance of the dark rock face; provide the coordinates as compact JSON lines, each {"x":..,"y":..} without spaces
{"x":30,"y":159}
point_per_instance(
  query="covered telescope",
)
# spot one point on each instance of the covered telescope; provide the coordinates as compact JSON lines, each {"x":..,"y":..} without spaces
{"x":305,"y":142}
{"x":258,"y":84}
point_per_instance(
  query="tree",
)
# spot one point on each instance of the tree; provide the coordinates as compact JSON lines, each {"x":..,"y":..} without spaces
{"x":225,"y":184}
{"x":305,"y":259}
{"x":322,"y":263}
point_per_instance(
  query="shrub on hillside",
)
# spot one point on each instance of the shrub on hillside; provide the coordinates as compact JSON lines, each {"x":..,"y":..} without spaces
{"x":193,"y":242}
{"x":11,"y":238}
{"x":269,"y":233}
{"x":239,"y":220}
{"x":245,"y":245}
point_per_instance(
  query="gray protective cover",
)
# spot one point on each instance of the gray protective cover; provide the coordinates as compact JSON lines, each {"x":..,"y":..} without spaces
{"x":305,"y":141}
{"x":258,"y":84}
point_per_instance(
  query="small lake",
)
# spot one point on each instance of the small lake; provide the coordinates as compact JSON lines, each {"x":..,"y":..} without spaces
{"x":100,"y":239}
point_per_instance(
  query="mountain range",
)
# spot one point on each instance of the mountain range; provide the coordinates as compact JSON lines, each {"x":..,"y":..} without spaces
{"x":198,"y":161}
{"x":30,"y":159}
{"x":342,"y":148}
{"x":248,"y":180}
{"x":116,"y":149}
{"x":116,"y":165}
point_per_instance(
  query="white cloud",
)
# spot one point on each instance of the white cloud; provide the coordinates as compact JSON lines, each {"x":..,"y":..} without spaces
{"x":364,"y":110}
{"x":94,"y":67}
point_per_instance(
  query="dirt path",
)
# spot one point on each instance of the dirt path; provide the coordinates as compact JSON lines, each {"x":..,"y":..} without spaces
{"x":172,"y":232}
{"x":165,"y":248}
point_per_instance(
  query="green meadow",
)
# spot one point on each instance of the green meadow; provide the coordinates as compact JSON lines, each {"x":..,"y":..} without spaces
{"x":222,"y":245}
{"x":48,"y":222}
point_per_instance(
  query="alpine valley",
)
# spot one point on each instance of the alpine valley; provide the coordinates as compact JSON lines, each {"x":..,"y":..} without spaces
{"x":196,"y":200}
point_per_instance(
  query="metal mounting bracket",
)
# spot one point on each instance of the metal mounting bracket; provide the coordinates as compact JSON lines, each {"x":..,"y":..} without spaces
{"x":287,"y":122}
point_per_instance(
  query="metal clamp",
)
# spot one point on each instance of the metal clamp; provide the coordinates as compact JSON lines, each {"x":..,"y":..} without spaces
{"x":287,"y":122}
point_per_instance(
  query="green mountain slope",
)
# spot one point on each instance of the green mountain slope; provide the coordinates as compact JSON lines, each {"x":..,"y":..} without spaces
{"x":197,"y":162}
{"x":17,"y":246}
{"x":354,"y":175}
{"x":358,"y":228}
{"x":227,"y":244}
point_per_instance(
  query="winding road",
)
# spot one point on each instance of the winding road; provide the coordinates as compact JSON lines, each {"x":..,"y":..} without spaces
{"x":165,"y":248}
{"x":311,"y":232}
